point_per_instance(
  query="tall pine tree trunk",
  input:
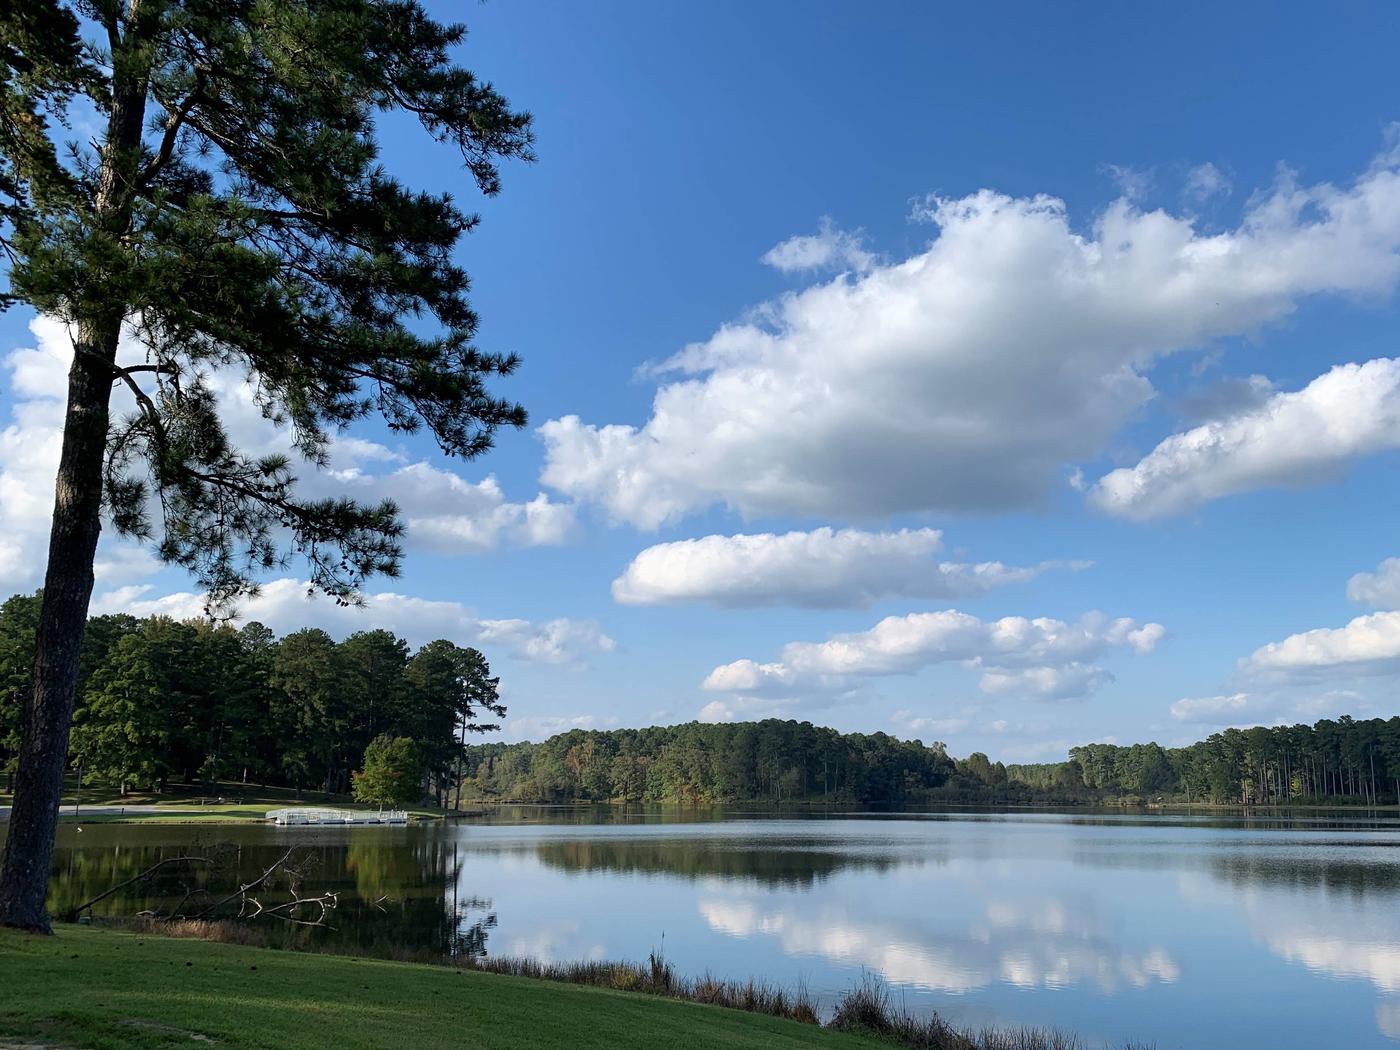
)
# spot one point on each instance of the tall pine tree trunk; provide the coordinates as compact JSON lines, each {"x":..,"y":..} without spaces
{"x":461,"y":754}
{"x":77,"y":513}
{"x":77,"y":522}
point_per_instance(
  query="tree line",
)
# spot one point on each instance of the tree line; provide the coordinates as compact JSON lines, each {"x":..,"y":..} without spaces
{"x":162,"y":701}
{"x":1344,"y":760}
{"x":707,"y":763}
{"x":1335,"y":761}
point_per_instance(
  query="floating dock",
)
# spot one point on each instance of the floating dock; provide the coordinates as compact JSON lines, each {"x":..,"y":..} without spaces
{"x":313,"y":815}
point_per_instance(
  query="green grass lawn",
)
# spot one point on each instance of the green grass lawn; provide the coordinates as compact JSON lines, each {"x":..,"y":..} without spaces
{"x":94,"y":989}
{"x":176,"y":813}
{"x":203,"y":803}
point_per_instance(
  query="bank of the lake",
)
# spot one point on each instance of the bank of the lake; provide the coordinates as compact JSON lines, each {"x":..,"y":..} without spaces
{"x":94,"y":987}
{"x":182,"y":813}
{"x":226,"y":802}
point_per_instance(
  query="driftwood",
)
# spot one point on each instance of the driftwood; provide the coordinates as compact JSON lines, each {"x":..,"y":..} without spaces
{"x":242,"y":891}
{"x":286,"y":911}
{"x":73,"y":913}
{"x":300,"y":910}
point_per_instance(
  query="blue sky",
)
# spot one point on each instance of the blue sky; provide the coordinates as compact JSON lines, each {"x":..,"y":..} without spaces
{"x":1043,"y":241}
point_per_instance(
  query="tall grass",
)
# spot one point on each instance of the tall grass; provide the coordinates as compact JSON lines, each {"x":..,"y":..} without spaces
{"x":865,"y":1009}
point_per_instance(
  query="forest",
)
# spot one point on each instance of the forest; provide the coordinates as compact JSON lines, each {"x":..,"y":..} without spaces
{"x":705,"y":763}
{"x":1342,"y":761}
{"x":161,"y":701}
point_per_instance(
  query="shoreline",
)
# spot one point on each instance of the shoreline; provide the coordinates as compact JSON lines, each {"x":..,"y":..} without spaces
{"x":96,"y":980}
{"x":939,"y":807}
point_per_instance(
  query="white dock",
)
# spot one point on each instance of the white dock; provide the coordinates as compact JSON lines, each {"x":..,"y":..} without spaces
{"x":314,"y":815}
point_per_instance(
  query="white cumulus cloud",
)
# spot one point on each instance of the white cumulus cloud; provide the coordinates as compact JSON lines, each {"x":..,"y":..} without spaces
{"x":284,"y":605}
{"x":1225,"y":710}
{"x":823,"y":568}
{"x":746,"y":708}
{"x":829,"y":248}
{"x":541,"y":727}
{"x":1379,"y":589}
{"x":1295,"y":438}
{"x":1040,"y":657}
{"x":1367,"y":645}
{"x":1050,"y":683}
{"x":448,"y":514}
{"x":967,"y":376}
{"x":1204,"y":182}
{"x":910,"y":724}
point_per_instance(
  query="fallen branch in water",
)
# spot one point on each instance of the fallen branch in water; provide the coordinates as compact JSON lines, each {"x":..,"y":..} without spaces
{"x":73,"y":913}
{"x":242,"y":891}
{"x":286,"y":910}
{"x":292,"y":866}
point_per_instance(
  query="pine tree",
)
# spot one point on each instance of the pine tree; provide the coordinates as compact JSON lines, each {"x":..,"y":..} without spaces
{"x":232,"y":214}
{"x":449,"y":688}
{"x":19,"y":619}
{"x":124,"y":725}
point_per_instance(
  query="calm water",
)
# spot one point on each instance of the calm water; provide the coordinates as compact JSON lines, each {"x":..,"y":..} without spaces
{"x":1187,"y":932}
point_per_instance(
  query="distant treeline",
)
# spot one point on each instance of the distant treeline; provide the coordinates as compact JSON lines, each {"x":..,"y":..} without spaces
{"x":162,"y":701}
{"x":698,"y":763}
{"x":1337,"y":760}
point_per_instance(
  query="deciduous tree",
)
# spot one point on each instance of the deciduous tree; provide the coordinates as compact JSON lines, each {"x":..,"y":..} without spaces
{"x":392,"y":774}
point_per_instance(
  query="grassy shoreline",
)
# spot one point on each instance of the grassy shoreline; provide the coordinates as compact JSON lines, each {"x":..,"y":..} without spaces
{"x":113,"y":990}
{"x":219,"y":803}
{"x":141,"y":989}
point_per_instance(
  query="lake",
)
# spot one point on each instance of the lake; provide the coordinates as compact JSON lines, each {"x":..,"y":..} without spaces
{"x":1184,"y":931}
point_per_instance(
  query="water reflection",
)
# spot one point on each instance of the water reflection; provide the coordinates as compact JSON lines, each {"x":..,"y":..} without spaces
{"x":397,"y":895}
{"x":1222,"y":932}
{"x":995,"y":950}
{"x":778,"y":863}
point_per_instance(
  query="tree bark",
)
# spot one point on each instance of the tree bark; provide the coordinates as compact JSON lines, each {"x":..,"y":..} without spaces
{"x":77,"y":517}
{"x":77,"y":522}
{"x":461,"y":753}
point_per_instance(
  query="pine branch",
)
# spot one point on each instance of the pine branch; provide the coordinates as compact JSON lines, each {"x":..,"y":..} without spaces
{"x":174,"y":123}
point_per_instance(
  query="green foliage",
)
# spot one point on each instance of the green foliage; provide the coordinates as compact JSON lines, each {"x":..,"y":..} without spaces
{"x":306,"y":707}
{"x":1335,"y":760}
{"x":162,"y":701}
{"x":1340,"y":761}
{"x":392,"y":774}
{"x":19,"y":619}
{"x":123,"y":732}
{"x":445,"y":687}
{"x":700,"y":763}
